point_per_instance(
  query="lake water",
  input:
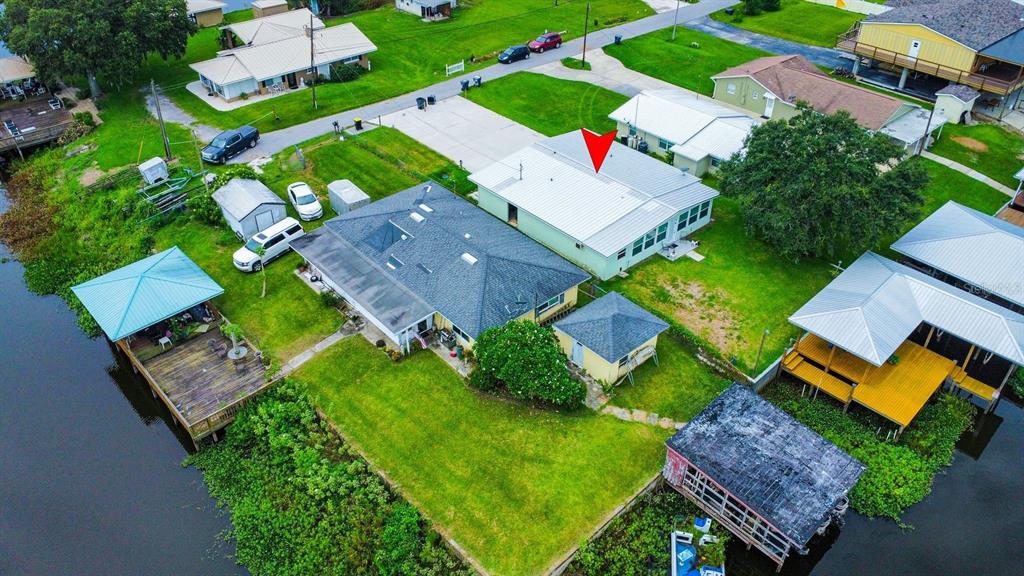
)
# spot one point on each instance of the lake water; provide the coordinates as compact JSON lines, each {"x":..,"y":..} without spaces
{"x":91,"y":481}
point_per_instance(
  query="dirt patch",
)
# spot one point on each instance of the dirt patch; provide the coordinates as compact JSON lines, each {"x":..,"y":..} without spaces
{"x":90,"y":176}
{"x":971,"y":143}
{"x":697,"y":308}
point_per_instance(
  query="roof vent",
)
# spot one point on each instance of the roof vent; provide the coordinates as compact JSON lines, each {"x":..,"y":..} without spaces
{"x":469,"y":258}
{"x":394,"y":263}
{"x":424,"y":268}
{"x":417,"y":217}
{"x":426,"y":208}
{"x":466,"y":236}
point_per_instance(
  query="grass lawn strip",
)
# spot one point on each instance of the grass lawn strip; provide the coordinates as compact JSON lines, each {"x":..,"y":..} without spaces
{"x":798,"y":21}
{"x":578,"y":104}
{"x":680,"y":63}
{"x":517,"y":487}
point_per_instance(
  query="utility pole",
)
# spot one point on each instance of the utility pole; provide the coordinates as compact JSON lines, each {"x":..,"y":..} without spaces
{"x":312,"y":61}
{"x":927,"y":130}
{"x":160,"y":118}
{"x":199,"y":155}
{"x":586,"y":28}
{"x":675,"y":20}
{"x":759,"y":349}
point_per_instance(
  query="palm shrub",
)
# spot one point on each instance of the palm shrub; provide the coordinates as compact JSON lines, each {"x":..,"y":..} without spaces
{"x":525,"y":359}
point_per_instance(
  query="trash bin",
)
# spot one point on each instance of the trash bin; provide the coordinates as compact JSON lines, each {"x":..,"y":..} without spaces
{"x":421,"y":103}
{"x":618,"y":38}
{"x":465,"y":85}
{"x":642,"y":146}
{"x":359,"y":123}
{"x":458,"y":352}
{"x":431,"y":100}
{"x":730,"y":11}
{"x":477,"y":81}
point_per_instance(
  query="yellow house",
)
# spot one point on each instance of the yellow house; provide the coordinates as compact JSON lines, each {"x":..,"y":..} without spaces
{"x":205,"y":13}
{"x":609,"y":337}
{"x":977,"y":43}
{"x":263,"y":8}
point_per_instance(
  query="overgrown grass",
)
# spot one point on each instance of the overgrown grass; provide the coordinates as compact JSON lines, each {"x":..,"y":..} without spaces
{"x":575,"y":64}
{"x":410,"y":54}
{"x":899,"y":474}
{"x":515,"y":486}
{"x":680,"y":63}
{"x":549,"y":105}
{"x":988,"y":148}
{"x":798,"y":21}
{"x":677,"y":387}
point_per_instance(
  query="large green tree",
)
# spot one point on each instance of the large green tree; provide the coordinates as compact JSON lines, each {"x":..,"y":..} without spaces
{"x":820,"y":185}
{"x":103,"y":41}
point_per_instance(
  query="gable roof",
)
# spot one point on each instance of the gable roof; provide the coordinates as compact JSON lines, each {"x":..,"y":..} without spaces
{"x":875,"y":304}
{"x":471,"y":267}
{"x":611,"y":326}
{"x":781,"y":469}
{"x":275,"y":27}
{"x":199,"y":6}
{"x":241,"y":196}
{"x":793,"y":78}
{"x":632,"y":194}
{"x":961,"y":92}
{"x":977,"y":248}
{"x":14,"y":68}
{"x":143,"y":293}
{"x":696,"y":127}
{"x":973,"y":23}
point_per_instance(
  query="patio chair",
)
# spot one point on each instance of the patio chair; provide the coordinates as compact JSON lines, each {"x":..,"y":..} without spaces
{"x":241,"y":366}
{"x":221,"y":351}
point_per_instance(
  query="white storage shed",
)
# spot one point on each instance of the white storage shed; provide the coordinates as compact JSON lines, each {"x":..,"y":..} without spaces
{"x":346,"y":196}
{"x":249,"y":206}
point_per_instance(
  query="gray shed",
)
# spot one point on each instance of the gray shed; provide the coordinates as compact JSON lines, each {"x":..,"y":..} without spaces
{"x":346,"y":196}
{"x":249,"y":206}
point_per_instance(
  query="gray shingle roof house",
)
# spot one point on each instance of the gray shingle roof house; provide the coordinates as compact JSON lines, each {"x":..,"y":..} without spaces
{"x":788,"y":480}
{"x":961,"y":244}
{"x":425,"y":257}
{"x":249,"y":206}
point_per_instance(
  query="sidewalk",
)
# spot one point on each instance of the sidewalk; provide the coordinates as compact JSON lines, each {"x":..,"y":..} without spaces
{"x":273,"y":142}
{"x":607,"y":72}
{"x":828,"y":57}
{"x":970,"y":172}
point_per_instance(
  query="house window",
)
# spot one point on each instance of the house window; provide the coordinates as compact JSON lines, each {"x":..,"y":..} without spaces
{"x":551,"y":303}
{"x":458,"y":332}
{"x":623,"y":360}
{"x":682,"y":221}
{"x":638,"y":246}
{"x":621,"y":254}
{"x":350,"y":60}
{"x":649,"y":240}
{"x":664,"y":144}
{"x":662,"y":231}
{"x":715,"y":162}
{"x":730,"y":88}
{"x":705,"y":208}
{"x":693,"y":214}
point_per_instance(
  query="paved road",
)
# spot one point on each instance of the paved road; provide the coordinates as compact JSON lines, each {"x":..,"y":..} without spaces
{"x":828,"y":57}
{"x":273,"y":142}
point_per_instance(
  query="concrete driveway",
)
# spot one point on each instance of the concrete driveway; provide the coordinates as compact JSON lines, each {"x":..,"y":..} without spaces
{"x":463,"y":131}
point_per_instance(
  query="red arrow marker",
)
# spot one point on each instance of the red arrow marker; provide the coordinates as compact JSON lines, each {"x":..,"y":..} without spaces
{"x":598,"y":146}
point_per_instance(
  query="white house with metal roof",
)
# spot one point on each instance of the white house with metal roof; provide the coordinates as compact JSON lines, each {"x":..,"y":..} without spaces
{"x":277,"y":55}
{"x":602,"y":221}
{"x":700,"y":133}
{"x":971,"y":250}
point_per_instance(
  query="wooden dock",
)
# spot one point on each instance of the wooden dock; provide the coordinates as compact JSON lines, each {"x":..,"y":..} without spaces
{"x":30,"y":123}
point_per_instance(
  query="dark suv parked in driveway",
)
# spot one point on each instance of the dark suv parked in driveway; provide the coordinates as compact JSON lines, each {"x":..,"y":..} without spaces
{"x":514,"y":54}
{"x":546,"y":42}
{"x":230,"y":143}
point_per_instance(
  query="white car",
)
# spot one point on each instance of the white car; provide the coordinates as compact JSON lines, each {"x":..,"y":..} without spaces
{"x":274,"y":241}
{"x":305,"y":201}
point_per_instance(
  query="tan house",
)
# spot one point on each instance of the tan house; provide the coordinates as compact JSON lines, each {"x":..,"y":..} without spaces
{"x":205,"y":13}
{"x":610,"y":337}
{"x":774,"y":85}
{"x":978,"y":43}
{"x":262,"y":8}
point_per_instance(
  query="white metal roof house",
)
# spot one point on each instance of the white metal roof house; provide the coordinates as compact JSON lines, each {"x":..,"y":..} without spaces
{"x":971,"y":250}
{"x":700,"y":133}
{"x":280,"y":56}
{"x":15,"y":69}
{"x":427,"y":9}
{"x":249,"y":206}
{"x":604,"y":222}
{"x":425,"y":258}
{"x":270,"y":28}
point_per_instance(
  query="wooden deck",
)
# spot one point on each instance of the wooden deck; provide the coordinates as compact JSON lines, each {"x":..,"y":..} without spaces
{"x":1013,"y":215}
{"x":896,"y":392}
{"x":34,"y":122}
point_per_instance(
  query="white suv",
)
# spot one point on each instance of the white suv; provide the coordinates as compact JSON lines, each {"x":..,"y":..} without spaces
{"x":275,"y":241}
{"x":305,"y":201}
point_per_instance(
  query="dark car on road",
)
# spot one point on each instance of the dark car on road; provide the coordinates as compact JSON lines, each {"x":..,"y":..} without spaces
{"x":514,"y":54}
{"x":546,"y":42}
{"x":230,"y":143}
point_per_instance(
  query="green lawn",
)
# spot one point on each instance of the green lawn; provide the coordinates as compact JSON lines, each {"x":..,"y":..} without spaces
{"x":988,"y":148}
{"x":678,"y":387}
{"x":798,"y":21}
{"x":515,"y":486}
{"x":290,"y":319}
{"x":742,"y":288}
{"x":679,"y":63}
{"x":572,"y":105}
{"x":411,"y":54}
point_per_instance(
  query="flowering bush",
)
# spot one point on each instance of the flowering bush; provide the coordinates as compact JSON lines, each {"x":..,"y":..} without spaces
{"x":525,"y":359}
